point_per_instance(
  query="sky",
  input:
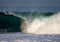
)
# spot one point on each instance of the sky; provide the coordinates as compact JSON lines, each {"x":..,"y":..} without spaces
{"x":30,"y":5}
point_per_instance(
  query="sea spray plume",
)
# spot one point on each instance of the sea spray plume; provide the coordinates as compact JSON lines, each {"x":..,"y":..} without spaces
{"x":10,"y":21}
{"x":50,"y":25}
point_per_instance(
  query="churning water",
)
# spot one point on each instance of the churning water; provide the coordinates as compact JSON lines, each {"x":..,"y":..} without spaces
{"x":39,"y":23}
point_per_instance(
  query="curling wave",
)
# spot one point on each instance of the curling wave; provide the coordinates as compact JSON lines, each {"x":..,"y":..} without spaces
{"x":37,"y":23}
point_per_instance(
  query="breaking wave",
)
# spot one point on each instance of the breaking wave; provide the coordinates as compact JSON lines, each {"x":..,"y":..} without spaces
{"x":49,"y":25}
{"x":37,"y":23}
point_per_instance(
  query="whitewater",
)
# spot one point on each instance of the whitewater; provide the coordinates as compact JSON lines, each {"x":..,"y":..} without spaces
{"x":50,"y":25}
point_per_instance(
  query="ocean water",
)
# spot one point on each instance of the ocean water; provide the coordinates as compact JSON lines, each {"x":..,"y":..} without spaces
{"x":37,"y":22}
{"x":9,"y":23}
{"x":21,"y":37}
{"x":41,"y":27}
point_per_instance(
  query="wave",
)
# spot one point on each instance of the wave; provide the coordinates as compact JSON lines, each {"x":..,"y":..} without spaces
{"x":37,"y":23}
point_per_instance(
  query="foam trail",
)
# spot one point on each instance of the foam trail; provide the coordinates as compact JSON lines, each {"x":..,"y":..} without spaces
{"x":49,"y":25}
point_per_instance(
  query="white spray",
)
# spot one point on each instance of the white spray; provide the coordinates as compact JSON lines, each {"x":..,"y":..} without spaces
{"x":49,"y":25}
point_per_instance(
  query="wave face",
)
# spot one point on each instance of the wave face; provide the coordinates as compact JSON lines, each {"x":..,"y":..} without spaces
{"x":9,"y":22}
{"x":37,"y":23}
